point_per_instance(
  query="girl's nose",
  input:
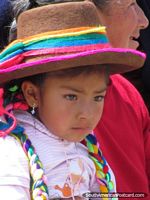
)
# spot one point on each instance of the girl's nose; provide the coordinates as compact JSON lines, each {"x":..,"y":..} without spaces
{"x":86,"y":112}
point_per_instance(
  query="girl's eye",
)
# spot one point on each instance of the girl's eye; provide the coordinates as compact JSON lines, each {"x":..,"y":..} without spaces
{"x":99,"y":98}
{"x":71,"y":97}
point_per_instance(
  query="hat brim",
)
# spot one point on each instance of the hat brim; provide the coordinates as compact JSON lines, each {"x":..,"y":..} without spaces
{"x":118,"y":60}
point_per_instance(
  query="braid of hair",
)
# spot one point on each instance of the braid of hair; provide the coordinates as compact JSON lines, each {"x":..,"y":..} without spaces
{"x":38,"y":179}
{"x":102,"y":170}
{"x":13,"y":99}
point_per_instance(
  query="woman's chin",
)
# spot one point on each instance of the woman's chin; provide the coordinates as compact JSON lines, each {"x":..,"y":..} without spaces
{"x":133,"y":44}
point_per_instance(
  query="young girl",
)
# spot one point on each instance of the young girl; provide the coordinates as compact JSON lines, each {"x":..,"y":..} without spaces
{"x":54,"y":80}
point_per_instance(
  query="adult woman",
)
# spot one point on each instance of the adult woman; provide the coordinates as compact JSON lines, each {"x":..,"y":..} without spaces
{"x":128,"y":143}
{"x":122,"y":143}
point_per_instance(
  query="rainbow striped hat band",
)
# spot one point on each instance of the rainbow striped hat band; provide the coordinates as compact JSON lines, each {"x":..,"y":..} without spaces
{"x":62,"y":36}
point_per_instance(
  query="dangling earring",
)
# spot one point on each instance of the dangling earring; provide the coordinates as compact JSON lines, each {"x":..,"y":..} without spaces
{"x":33,"y":109}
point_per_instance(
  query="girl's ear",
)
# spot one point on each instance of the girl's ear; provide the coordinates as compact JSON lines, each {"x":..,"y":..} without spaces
{"x":31,"y":93}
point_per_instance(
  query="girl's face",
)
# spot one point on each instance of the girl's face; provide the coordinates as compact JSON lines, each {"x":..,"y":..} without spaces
{"x":124,"y":19}
{"x":71,"y":107}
